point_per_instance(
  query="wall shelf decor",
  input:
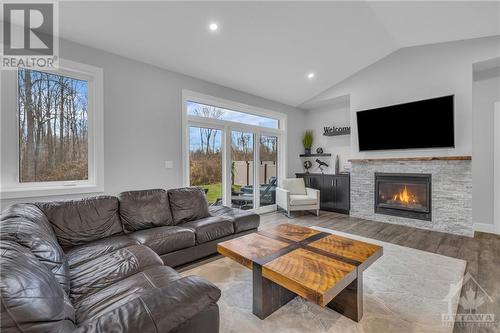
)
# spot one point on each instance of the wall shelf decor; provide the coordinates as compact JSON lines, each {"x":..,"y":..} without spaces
{"x":315,"y":155}
{"x":336,"y":131}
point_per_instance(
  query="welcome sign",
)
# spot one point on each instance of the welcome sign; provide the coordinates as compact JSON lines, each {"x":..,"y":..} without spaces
{"x":334,"y":131}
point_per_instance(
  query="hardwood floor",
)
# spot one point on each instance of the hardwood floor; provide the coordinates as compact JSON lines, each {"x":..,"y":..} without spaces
{"x":482,"y":252}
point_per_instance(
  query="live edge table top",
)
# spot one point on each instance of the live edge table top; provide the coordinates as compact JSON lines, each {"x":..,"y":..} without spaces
{"x":308,"y":262}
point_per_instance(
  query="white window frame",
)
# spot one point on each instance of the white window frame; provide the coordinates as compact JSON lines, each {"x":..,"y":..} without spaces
{"x":227,"y":127}
{"x":11,"y":187}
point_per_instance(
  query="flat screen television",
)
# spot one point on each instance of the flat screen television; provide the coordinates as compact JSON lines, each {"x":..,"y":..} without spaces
{"x":422,"y":124}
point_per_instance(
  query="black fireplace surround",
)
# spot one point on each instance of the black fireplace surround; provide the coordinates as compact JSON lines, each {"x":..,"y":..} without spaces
{"x":404,"y":194}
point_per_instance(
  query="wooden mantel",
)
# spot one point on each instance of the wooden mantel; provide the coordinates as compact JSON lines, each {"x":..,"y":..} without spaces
{"x":429,"y":158}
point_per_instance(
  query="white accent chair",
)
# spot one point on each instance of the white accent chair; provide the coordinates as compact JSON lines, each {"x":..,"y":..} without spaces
{"x":293,"y":195}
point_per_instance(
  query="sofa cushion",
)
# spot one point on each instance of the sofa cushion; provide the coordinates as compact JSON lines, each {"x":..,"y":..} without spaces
{"x":30,"y":212}
{"x":81,"y":221}
{"x":82,"y":253}
{"x":32,"y":299}
{"x":41,"y":242}
{"x":144,"y":209}
{"x":210,"y":228}
{"x":243,"y":219}
{"x":99,"y":273}
{"x":165,"y":239}
{"x":124,"y":291}
{"x":294,"y":185}
{"x":297,"y":200}
{"x":188,"y":204}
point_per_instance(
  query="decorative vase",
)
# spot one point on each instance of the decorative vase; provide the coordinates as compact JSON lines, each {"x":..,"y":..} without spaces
{"x":337,"y":164}
{"x":307,"y":151}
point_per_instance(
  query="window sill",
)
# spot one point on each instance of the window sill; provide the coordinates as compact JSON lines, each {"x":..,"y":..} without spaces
{"x":29,"y":192}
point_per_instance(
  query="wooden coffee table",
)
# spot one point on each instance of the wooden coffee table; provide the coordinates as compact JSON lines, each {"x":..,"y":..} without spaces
{"x":290,"y":260}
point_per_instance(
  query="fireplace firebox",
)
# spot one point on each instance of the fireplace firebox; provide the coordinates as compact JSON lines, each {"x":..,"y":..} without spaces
{"x":403,"y":194}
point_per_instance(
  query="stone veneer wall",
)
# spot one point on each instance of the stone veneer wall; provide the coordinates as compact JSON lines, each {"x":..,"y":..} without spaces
{"x":451,"y":193}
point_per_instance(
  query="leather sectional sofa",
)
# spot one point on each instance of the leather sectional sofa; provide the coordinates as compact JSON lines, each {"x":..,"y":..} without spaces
{"x":102,"y":264}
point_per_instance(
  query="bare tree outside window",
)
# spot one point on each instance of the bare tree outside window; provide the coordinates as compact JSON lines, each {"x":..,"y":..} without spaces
{"x":53,"y":127}
{"x":208,"y":135}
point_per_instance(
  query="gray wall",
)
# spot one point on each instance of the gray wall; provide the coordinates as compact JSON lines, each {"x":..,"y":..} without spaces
{"x":484,"y":95}
{"x":417,"y":73}
{"x":142,"y":120}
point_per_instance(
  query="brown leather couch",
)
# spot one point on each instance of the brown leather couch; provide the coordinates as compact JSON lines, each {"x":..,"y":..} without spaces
{"x":98,"y":264}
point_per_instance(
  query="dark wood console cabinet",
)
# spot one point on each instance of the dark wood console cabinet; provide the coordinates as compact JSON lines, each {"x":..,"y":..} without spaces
{"x":335,"y":190}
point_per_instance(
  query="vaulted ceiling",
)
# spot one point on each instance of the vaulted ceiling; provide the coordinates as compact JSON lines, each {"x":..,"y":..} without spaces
{"x":268,"y":48}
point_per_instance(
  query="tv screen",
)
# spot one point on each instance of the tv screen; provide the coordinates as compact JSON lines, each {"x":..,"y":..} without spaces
{"x":421,"y":124}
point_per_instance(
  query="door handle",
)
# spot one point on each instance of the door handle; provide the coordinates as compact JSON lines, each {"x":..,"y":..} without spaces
{"x":332,"y":182}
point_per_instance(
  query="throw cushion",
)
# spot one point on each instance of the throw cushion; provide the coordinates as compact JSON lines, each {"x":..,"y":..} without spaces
{"x":144,"y":209}
{"x":294,"y":185}
{"x":188,"y":204}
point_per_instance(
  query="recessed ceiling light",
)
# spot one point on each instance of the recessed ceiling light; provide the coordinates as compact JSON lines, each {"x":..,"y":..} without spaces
{"x":213,"y":27}
{"x":310,"y":75}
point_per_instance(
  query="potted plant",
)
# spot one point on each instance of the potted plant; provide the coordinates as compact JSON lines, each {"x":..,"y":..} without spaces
{"x":307,"y":141}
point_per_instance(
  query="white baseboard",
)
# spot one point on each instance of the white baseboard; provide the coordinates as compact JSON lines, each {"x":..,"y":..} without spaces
{"x":487,"y":227}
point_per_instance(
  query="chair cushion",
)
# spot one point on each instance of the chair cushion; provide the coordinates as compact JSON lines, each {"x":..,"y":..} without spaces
{"x":82,"y":253}
{"x":32,"y":298}
{"x":81,"y":221}
{"x":242,"y":219}
{"x":124,"y":291}
{"x":26,"y":225}
{"x":99,"y":273}
{"x":188,"y":204}
{"x":210,"y":228}
{"x":297,"y":200}
{"x":294,"y":185}
{"x":165,"y":239}
{"x":144,"y":209}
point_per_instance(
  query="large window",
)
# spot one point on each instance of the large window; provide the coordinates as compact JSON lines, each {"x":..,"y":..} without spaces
{"x":207,"y":111}
{"x":234,"y":152}
{"x":53,"y":127}
{"x":53,"y":131}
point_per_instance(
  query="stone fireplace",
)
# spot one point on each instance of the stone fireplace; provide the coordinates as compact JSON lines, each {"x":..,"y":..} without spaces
{"x":430,"y":193}
{"x":404,"y":194}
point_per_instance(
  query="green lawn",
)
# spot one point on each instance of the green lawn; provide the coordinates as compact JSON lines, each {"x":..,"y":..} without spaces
{"x":215,"y":191}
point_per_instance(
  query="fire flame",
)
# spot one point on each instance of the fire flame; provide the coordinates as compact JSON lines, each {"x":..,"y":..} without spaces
{"x":405,"y":196}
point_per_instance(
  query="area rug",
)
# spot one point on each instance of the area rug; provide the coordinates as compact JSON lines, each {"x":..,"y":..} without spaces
{"x":406,"y":290}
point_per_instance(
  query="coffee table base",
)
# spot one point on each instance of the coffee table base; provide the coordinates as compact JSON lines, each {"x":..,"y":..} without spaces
{"x":349,"y":302}
{"x":269,"y":297}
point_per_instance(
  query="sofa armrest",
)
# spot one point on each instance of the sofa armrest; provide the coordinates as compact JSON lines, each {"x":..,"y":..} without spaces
{"x":158,"y":310}
{"x":282,"y":198}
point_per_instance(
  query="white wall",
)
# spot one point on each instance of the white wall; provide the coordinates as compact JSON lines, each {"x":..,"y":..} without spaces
{"x":142,"y":120}
{"x":335,"y":113}
{"x":422,"y":72}
{"x":484,"y":95}
{"x":417,"y":73}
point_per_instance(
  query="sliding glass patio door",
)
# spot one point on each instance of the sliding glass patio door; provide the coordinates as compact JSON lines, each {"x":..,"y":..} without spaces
{"x":206,"y":162}
{"x":254,"y":169}
{"x":242,"y":170}
{"x":234,"y":156}
{"x":268,"y":169}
